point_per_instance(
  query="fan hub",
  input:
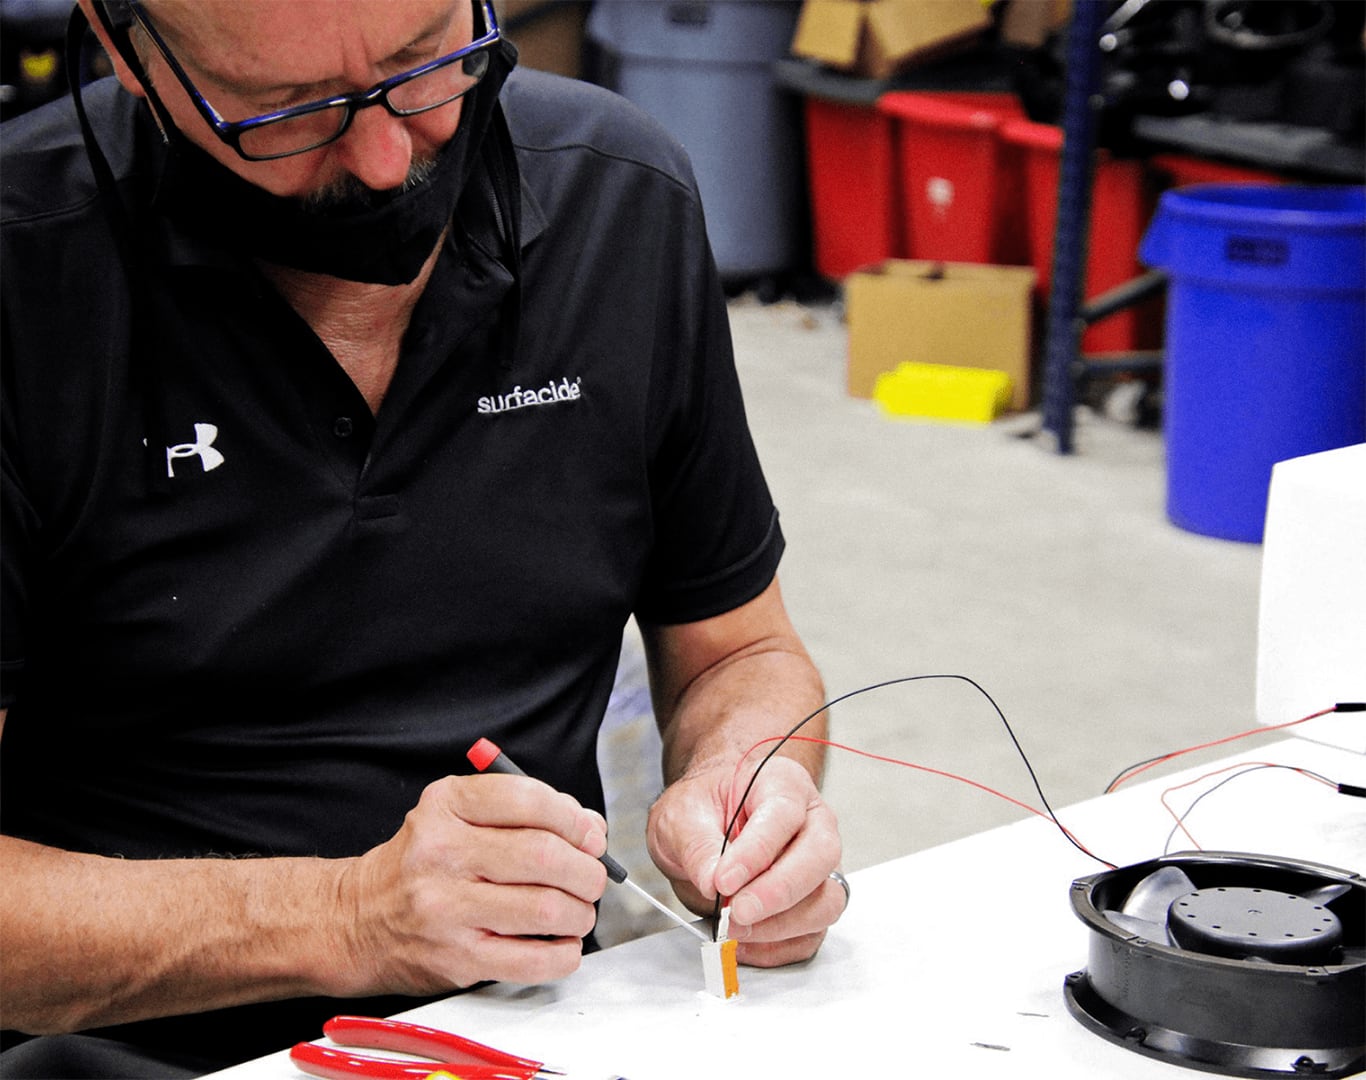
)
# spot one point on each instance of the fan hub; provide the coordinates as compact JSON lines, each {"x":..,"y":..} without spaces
{"x":1248,"y":923}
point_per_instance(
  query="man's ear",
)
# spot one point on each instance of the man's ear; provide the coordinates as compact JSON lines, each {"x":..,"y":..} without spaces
{"x":126,"y":77}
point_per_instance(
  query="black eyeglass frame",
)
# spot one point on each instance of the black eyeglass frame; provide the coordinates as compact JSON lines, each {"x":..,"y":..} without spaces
{"x":231,"y":131}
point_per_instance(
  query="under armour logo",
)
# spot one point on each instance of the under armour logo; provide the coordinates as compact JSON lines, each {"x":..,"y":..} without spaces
{"x":202,"y":447}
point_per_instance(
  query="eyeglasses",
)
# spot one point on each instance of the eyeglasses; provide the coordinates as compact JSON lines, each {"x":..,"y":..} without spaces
{"x":301,"y":128}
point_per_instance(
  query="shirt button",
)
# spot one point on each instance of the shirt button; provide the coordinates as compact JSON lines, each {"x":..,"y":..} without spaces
{"x":342,"y":427}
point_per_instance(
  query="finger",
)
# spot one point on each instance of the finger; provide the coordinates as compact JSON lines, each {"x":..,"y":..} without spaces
{"x":529,"y":910}
{"x":778,"y":953}
{"x":790,"y":843}
{"x":684,"y":839}
{"x":815,"y":912}
{"x":445,"y":841}
{"x":693,"y":899}
{"x":529,"y":961}
{"x":536,"y":857}
{"x":800,"y":870}
{"x":501,"y":801}
{"x":473,"y":956}
{"x":776,"y":810}
{"x":770,"y":829}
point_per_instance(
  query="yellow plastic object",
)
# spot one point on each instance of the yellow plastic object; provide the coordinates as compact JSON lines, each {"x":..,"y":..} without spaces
{"x":720,"y":968}
{"x":944,"y":392}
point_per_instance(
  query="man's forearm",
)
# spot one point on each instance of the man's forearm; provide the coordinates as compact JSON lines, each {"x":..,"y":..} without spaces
{"x":87,"y":941}
{"x":488,"y":877}
{"x":760,"y":692}
{"x":722,"y":687}
{"x":722,"y":684}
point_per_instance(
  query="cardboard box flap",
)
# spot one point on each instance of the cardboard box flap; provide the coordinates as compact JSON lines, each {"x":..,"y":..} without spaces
{"x":1029,"y":23}
{"x":875,"y":38}
{"x":830,"y":31}
{"x":1010,"y":279}
{"x":908,"y":28}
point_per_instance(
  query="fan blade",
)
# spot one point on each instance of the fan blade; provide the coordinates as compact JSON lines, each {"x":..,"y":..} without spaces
{"x":1326,"y":894}
{"x":1150,"y":931}
{"x":1152,"y":896}
{"x":1354,"y":954}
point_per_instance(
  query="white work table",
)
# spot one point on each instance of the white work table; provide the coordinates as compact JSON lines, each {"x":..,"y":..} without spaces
{"x":948,"y":962}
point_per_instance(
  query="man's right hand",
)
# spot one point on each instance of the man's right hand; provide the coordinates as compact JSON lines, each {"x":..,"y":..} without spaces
{"x":489,"y":877}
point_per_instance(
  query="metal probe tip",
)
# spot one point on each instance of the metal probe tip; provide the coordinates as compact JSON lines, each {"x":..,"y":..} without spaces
{"x":689,"y":927}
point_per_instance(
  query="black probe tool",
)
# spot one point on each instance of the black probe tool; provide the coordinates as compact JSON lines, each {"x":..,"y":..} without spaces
{"x":485,"y":756}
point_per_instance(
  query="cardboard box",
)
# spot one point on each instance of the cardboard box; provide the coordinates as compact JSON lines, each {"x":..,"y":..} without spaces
{"x":964,"y":314}
{"x":877,"y":38}
{"x":548,"y":34}
{"x":1028,"y":24}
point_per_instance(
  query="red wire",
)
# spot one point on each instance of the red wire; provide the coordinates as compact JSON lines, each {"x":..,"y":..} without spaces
{"x":1180,"y":819}
{"x":921,"y":768}
{"x":1130,"y":773}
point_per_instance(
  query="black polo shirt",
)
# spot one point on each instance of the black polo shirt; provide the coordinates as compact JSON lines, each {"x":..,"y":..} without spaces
{"x":322,"y":609}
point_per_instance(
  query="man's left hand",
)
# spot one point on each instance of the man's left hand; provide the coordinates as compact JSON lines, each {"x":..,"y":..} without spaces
{"x":775,"y":870}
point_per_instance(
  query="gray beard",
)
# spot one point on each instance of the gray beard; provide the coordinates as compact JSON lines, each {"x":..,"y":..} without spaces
{"x":348,"y":193}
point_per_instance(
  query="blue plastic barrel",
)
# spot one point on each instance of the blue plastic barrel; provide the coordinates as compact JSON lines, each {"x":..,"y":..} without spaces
{"x":1265,"y":341}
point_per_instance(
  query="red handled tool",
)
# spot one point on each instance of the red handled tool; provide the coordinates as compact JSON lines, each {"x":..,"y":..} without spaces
{"x":462,"y":1058}
{"x":485,"y":756}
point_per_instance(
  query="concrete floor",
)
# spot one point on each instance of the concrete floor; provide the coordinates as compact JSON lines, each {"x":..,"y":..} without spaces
{"x":1105,"y":634}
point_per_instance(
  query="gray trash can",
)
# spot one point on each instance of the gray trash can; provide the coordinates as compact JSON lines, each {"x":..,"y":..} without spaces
{"x":704,"y":69}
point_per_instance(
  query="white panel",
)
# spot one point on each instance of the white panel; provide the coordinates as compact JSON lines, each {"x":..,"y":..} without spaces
{"x":1311,"y":641}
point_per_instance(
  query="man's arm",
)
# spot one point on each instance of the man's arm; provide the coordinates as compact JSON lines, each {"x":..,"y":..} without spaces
{"x":720,"y":686}
{"x":479,"y":862}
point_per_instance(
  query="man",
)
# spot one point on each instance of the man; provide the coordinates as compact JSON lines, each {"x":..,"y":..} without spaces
{"x":354,"y":400}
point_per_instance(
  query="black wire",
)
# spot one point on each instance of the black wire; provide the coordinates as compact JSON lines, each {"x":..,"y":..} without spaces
{"x":1241,"y":772}
{"x":1341,"y":706}
{"x":1130,"y":768}
{"x":725,"y":838}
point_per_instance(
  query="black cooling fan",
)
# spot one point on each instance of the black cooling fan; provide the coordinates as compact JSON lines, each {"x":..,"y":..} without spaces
{"x":1245,"y":965}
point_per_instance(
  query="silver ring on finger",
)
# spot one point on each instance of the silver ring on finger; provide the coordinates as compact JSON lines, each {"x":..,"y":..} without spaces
{"x":843,"y":882}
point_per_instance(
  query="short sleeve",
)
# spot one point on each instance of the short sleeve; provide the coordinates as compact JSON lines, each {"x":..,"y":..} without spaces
{"x":718,"y":540}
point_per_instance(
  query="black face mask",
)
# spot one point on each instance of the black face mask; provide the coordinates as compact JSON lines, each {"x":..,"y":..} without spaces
{"x":383,"y":238}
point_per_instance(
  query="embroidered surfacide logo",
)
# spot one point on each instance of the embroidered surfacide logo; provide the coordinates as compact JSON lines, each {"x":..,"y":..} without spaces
{"x":202,"y":447}
{"x":549,"y":394}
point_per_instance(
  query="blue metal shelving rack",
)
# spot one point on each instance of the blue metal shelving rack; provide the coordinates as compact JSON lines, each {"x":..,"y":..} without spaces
{"x":1062,"y":342}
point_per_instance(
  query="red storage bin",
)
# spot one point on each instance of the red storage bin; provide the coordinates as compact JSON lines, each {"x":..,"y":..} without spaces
{"x":855,"y":204}
{"x":959,"y":193}
{"x":1179,"y":170}
{"x":1121,"y":205}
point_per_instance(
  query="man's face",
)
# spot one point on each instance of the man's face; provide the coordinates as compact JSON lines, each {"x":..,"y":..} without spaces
{"x":249,"y":57}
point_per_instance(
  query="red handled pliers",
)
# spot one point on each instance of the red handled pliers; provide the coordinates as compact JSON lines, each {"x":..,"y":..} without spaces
{"x":452,"y":1054}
